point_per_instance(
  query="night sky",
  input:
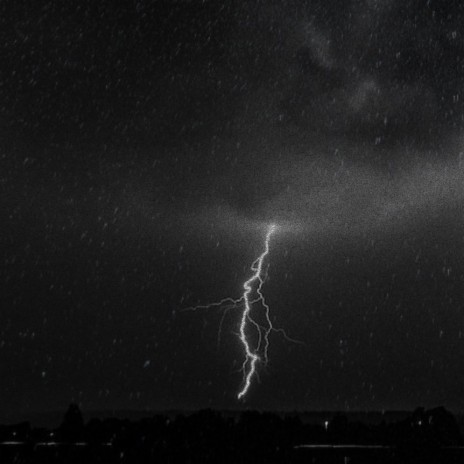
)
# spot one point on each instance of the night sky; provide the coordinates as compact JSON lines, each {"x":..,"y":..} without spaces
{"x":145,"y":147}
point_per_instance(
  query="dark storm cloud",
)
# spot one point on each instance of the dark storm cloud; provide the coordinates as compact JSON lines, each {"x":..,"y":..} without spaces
{"x":376,"y":82}
{"x":370,"y":69}
{"x":156,"y":71}
{"x":291,"y":83}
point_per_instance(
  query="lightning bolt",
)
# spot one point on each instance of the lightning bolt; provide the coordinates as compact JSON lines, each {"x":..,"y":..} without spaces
{"x":251,"y":357}
{"x":246,"y":303}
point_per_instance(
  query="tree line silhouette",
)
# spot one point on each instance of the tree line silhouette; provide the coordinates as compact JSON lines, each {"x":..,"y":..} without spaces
{"x":251,"y":437}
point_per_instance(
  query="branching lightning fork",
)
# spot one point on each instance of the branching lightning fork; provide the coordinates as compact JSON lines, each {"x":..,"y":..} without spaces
{"x":251,"y":357}
{"x":245,"y":303}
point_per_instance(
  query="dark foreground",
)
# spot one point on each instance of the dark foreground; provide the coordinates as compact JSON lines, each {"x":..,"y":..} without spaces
{"x":212,"y":437}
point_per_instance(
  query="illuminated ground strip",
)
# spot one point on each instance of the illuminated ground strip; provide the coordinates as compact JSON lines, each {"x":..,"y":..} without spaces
{"x":246,"y":303}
